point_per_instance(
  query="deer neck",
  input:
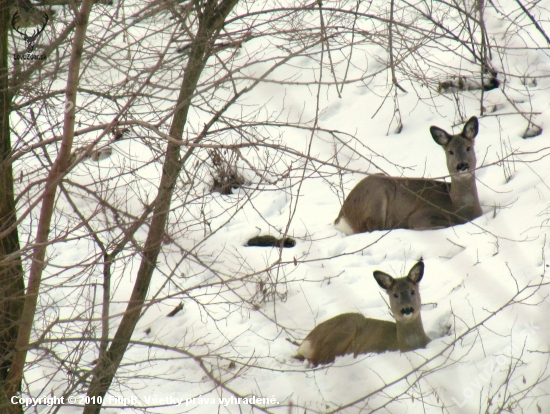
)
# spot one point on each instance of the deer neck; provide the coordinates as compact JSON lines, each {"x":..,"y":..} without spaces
{"x":411,"y":335}
{"x":464,"y":197}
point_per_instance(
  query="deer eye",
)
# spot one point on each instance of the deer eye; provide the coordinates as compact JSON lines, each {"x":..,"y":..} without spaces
{"x":412,"y":292}
{"x":395,"y":295}
{"x":451,"y":152}
{"x":468,"y":149}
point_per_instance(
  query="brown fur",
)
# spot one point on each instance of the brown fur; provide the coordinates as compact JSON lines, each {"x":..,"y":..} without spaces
{"x":380,"y":202}
{"x":352,"y":333}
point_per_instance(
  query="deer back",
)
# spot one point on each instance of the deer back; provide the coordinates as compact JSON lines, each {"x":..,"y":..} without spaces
{"x":381,"y":202}
{"x":352,"y":333}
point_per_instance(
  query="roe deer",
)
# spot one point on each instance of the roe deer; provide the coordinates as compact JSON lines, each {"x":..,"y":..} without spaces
{"x":380,"y":202}
{"x":352,"y":333}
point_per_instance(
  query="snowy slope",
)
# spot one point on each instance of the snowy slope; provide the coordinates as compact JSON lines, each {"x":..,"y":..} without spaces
{"x":485,"y":289}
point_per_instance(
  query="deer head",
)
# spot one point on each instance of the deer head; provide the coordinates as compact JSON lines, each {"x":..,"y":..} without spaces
{"x":29,"y":40}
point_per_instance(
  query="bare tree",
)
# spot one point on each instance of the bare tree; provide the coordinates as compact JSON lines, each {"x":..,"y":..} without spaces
{"x":47,"y":209}
{"x":106,"y":178}
{"x":11,"y":269}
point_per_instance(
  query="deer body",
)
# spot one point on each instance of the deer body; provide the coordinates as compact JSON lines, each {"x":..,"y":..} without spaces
{"x":380,"y":202}
{"x":352,"y":333}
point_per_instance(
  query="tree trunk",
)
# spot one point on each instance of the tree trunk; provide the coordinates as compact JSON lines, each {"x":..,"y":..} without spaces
{"x":15,"y":373}
{"x":211,"y":20}
{"x":11,"y":270}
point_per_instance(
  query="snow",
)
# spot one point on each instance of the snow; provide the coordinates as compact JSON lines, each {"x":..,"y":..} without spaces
{"x":485,"y":288}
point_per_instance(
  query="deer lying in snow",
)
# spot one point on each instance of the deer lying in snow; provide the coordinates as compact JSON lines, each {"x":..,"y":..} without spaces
{"x":352,"y":333}
{"x":380,"y":202}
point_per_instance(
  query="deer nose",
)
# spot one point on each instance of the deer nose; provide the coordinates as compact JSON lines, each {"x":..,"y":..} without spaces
{"x":462,"y":167}
{"x":407,"y":311}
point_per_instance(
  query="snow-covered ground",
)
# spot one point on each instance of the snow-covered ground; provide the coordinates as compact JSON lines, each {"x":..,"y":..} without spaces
{"x":485,"y":288}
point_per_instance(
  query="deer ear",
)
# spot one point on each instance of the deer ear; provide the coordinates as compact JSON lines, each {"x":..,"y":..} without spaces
{"x":383,"y":279}
{"x":440,"y":136}
{"x":416,"y":272}
{"x":471,"y":128}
